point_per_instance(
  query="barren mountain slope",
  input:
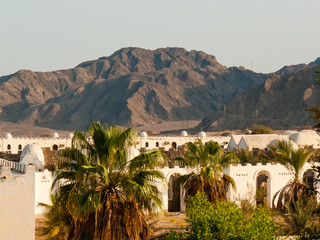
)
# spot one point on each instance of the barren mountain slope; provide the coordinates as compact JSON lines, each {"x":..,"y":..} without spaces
{"x":131,"y":87}
{"x":280,"y":102}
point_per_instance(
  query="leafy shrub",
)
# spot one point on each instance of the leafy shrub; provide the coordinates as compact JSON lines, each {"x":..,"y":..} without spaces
{"x":261,"y":129}
{"x":223,"y":221}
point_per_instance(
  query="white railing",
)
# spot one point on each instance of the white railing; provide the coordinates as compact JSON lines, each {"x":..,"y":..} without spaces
{"x":19,"y":167}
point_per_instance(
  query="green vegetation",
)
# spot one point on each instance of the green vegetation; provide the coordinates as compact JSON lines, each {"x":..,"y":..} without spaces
{"x":316,"y":116}
{"x":301,"y":214}
{"x":316,"y":110}
{"x":101,"y":195}
{"x":210,"y":159}
{"x":261,"y":129}
{"x":252,"y":157}
{"x":224,"y":221}
{"x":293,"y":160}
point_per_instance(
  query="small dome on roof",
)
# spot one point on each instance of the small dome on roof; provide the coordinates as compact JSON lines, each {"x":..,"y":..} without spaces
{"x":274,"y":142}
{"x":289,"y":132}
{"x":308,"y":131}
{"x":55,"y":135}
{"x":202,"y":134}
{"x":306,"y":138}
{"x":32,"y":154}
{"x":8,"y":136}
{"x":183,"y":134}
{"x":143,"y":134}
{"x":70,"y":135}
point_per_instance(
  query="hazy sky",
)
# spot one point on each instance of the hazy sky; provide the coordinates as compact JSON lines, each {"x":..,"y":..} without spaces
{"x":45,"y":35}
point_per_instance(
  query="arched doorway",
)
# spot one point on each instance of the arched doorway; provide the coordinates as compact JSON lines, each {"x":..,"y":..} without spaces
{"x":174,"y":145}
{"x":308,"y":178}
{"x":55,"y":147}
{"x":262,"y":190}
{"x":174,"y":190}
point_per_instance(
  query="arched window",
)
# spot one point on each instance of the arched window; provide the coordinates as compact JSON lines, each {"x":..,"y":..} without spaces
{"x":262,"y":188}
{"x":157,"y":144}
{"x":147,"y":144}
{"x":174,"y":193}
{"x":174,"y":145}
{"x":55,"y":147}
{"x":9,"y":147}
{"x":20,"y":147}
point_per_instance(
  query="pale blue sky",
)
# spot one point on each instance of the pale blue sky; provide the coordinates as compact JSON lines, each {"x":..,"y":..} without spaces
{"x":45,"y":35}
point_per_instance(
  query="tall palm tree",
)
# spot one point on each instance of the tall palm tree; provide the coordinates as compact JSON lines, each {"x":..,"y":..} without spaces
{"x":208,"y":159}
{"x":105,"y":195}
{"x":294,"y":161}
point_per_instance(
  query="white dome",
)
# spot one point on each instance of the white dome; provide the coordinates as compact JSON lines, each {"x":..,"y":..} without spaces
{"x":289,"y":132}
{"x":202,"y":134}
{"x":32,"y":154}
{"x":143,"y":134}
{"x":306,"y":138}
{"x":70,"y":135}
{"x":183,"y":134}
{"x":308,"y":131}
{"x":55,"y":135}
{"x":8,"y":136}
{"x":274,"y":142}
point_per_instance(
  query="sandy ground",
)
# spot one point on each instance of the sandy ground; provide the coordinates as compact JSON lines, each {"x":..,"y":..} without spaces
{"x":159,"y":224}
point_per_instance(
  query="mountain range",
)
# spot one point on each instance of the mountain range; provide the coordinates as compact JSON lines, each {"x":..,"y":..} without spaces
{"x":135,"y":87}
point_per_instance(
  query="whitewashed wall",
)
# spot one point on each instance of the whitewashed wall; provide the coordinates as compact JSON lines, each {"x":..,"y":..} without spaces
{"x":17,"y":206}
{"x":42,"y":142}
{"x":43,"y":183}
{"x":166,"y":141}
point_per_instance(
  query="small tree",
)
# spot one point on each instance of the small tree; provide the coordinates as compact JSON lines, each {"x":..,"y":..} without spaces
{"x":261,"y":129}
{"x":316,"y":116}
{"x":316,"y":110}
{"x":208,"y":160}
{"x":300,"y":215}
{"x":223,"y":221}
{"x":293,"y":160}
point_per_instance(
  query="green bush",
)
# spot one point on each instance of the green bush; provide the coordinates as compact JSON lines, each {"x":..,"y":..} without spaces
{"x":223,"y":221}
{"x":261,"y":129}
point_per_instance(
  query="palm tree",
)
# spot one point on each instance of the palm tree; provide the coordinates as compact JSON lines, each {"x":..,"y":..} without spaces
{"x":294,"y":161}
{"x":209,"y":159}
{"x":252,"y":157}
{"x":105,"y":195}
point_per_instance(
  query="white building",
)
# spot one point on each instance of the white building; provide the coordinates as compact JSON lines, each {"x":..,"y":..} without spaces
{"x":17,"y":201}
{"x":167,"y":142}
{"x":15,"y":145}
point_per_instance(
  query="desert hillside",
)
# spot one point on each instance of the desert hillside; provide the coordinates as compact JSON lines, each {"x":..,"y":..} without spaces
{"x":280,"y":102}
{"x":133,"y":87}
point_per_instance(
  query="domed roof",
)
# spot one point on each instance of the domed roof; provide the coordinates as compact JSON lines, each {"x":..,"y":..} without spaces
{"x":184,"y":134}
{"x":289,"y":132}
{"x":202,"y":134}
{"x":32,"y":154}
{"x":55,"y":135}
{"x":308,"y":131}
{"x":306,"y":138}
{"x":274,"y":142}
{"x":143,"y":134}
{"x":8,"y":136}
{"x":70,"y":135}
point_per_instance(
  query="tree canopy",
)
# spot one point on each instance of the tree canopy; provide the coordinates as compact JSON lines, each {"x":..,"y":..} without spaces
{"x":100,"y":193}
{"x":208,"y":159}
